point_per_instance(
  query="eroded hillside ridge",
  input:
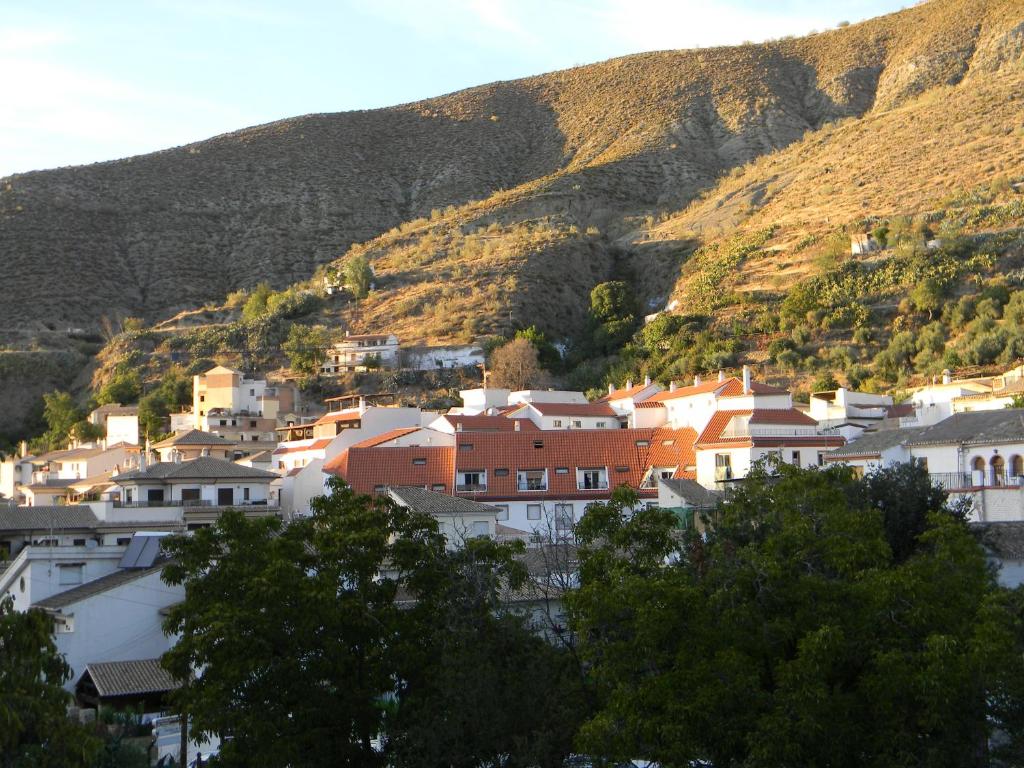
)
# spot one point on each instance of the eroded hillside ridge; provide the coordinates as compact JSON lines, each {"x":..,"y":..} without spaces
{"x":591,"y":146}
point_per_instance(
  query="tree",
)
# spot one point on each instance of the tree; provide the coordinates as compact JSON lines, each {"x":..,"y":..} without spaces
{"x":547,"y":355}
{"x":123,"y":387}
{"x":61,"y":415}
{"x":826,"y":382}
{"x":807,"y":626}
{"x":34,"y":727}
{"x":292,"y":628}
{"x":256,"y":305}
{"x":479,"y":687}
{"x":515,"y":366}
{"x":306,"y":348}
{"x":928,"y":296}
{"x":612,"y":301}
{"x":358,"y":276}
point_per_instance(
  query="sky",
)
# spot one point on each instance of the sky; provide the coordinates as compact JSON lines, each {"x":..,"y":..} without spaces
{"x":92,"y":80}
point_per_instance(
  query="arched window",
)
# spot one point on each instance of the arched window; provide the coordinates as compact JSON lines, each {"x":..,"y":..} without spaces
{"x":1017,"y":466}
{"x":977,"y":471}
{"x":998,"y":464}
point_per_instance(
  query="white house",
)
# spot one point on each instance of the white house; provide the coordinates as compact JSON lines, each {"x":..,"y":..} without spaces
{"x":548,"y":416}
{"x":458,"y":519}
{"x":357,"y":352}
{"x":434,"y":358}
{"x":849,"y":413}
{"x":121,"y":422}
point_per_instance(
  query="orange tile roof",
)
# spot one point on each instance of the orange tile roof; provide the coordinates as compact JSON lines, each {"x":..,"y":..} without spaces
{"x":696,"y":389}
{"x":316,"y":445}
{"x":596,"y":408}
{"x":570,"y":449}
{"x":622,"y":394}
{"x":652,"y":403}
{"x":331,"y":418}
{"x":730,"y":387}
{"x":384,"y":437}
{"x":712,"y":433}
{"x":674,"y":448}
{"x":484,"y":423}
{"x":786,"y":416}
{"x":367,"y":468}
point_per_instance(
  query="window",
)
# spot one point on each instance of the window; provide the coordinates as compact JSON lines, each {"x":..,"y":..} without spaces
{"x":252,"y":425}
{"x":155,"y":494}
{"x":123,"y":541}
{"x":577,"y":424}
{"x":557,"y":423}
{"x":533,"y":511}
{"x":622,"y":469}
{"x":821,"y":458}
{"x":795,"y":458}
{"x":502,"y":511}
{"x":190,"y":494}
{"x":223,"y":422}
{"x":563,"y":518}
{"x":561,"y":470}
{"x":379,"y":488}
{"x":723,"y":467}
{"x":70,"y":574}
{"x":419,"y":462}
{"x":465,"y":446}
{"x":601,"y":424}
{"x":202,"y":398}
{"x":439,"y":487}
{"x":643,"y":443}
{"x":538,"y":443}
{"x":252,"y":393}
{"x":668,"y":442}
{"x":472,"y":480}
{"x":592,"y":479}
{"x":532,"y":479}
{"x":245,"y":494}
{"x":225,"y":496}
{"x":79,"y":542}
{"x":501,"y":472}
{"x":480,"y":528}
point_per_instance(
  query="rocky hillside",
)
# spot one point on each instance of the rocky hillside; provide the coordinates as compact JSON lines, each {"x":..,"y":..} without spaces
{"x":593,"y":146}
{"x":720,"y":178}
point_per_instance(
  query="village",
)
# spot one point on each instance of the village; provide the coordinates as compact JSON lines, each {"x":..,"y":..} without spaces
{"x":80,"y":527}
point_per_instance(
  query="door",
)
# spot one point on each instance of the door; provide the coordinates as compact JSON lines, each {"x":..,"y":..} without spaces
{"x":225,"y":496}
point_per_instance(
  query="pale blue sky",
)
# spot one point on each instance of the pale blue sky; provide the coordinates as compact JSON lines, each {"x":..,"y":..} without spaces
{"x":90,"y":80}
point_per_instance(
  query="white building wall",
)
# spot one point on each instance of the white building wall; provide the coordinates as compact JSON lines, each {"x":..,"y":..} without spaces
{"x":123,"y":429}
{"x":695,"y":411}
{"x":432,"y":358}
{"x":648,"y":418}
{"x":547,"y":396}
{"x":120,"y":624}
{"x":39,"y":568}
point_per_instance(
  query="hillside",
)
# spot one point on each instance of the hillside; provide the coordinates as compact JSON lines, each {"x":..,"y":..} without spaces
{"x":501,"y":206}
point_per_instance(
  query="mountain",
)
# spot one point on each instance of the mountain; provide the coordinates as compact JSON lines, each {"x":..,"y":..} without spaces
{"x":503,"y":205}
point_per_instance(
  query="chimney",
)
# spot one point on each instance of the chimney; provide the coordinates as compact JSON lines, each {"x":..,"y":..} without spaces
{"x":516,"y":422}
{"x":362,"y":404}
{"x":23,"y":448}
{"x":611,"y":388}
{"x":206,"y":452}
{"x":746,"y":379}
{"x":458,"y":426}
{"x":629,"y":383}
{"x":721,"y":375}
{"x":696,"y":380}
{"x":672,"y":386}
{"x":947,"y":377}
{"x":647,"y":381}
{"x":347,"y":332}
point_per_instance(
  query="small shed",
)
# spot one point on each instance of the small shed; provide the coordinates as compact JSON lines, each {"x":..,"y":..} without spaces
{"x":140,"y":684}
{"x":862,"y":244}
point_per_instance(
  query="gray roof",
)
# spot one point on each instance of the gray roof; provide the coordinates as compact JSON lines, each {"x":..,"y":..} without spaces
{"x":203,"y":468}
{"x":193,"y":437}
{"x":1005,"y":540}
{"x":130,"y":678}
{"x":873,"y":443}
{"x":97,"y":586}
{"x":433,"y":503}
{"x":692,"y":491}
{"x":44,"y":518}
{"x":1005,"y":425}
{"x":116,"y":409}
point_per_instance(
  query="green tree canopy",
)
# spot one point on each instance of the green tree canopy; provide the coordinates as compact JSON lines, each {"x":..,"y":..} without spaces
{"x":612,"y":301}
{"x":123,"y":387}
{"x":306,"y":348}
{"x":547,"y":355}
{"x":256,"y":305}
{"x":34,"y":728}
{"x":820,"y":620}
{"x":358,"y":275}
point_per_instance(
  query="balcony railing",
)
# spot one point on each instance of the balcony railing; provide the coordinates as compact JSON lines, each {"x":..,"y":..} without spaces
{"x":957,"y":481}
{"x":769,"y":431}
{"x":471,"y":487}
{"x":146,"y":504}
{"x":593,"y":485}
{"x":532,"y":485}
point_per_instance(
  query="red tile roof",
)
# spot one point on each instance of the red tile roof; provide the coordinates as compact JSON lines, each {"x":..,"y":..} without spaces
{"x":652,"y":403}
{"x":730,"y":387}
{"x":385,"y":437}
{"x":786,"y":416}
{"x":712,"y":433}
{"x":696,"y":389}
{"x":331,"y":418}
{"x":484,"y":423}
{"x":316,"y":445}
{"x":597,"y":408}
{"x":622,"y":394}
{"x":367,"y":468}
{"x":674,"y":448}
{"x":719,"y":421}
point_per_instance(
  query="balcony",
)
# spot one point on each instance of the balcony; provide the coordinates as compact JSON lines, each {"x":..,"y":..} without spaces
{"x":745,"y":430}
{"x":147,"y":504}
{"x":592,"y":485}
{"x":531,"y":483}
{"x":977,"y":479}
{"x":471,"y":487}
